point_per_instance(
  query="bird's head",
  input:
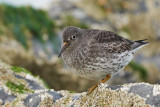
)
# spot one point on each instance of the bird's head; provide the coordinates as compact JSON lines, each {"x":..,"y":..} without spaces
{"x":70,"y":38}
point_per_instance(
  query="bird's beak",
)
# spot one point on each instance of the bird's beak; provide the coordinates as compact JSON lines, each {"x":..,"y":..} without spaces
{"x":65,"y":45}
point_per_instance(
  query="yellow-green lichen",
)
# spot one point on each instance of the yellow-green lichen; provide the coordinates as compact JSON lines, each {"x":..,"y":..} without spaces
{"x":20,"y":88}
{"x":17,"y":69}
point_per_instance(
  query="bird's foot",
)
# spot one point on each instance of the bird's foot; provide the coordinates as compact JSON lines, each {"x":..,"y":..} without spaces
{"x":90,"y":90}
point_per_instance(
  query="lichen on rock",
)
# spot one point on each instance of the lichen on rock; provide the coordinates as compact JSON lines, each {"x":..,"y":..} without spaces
{"x":103,"y":96}
{"x":13,"y":84}
{"x":21,"y":89}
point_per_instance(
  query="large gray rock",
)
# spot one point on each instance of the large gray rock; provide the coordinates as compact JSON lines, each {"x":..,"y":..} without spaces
{"x":127,"y":95}
{"x":16,"y":81}
{"x":18,"y":88}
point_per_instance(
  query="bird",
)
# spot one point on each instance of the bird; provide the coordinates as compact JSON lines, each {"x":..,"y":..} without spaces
{"x":96,"y":54}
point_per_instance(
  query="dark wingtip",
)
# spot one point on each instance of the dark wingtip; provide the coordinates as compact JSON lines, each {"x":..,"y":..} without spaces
{"x":142,"y":42}
{"x":139,"y":43}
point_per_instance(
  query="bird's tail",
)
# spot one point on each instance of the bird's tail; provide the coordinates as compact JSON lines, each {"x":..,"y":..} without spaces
{"x":139,"y":43}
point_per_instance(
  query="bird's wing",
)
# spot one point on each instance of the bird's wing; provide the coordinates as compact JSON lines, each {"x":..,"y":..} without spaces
{"x":112,"y":42}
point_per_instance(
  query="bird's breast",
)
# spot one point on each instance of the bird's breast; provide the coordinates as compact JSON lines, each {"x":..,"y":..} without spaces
{"x":95,"y":64}
{"x":75,"y":58}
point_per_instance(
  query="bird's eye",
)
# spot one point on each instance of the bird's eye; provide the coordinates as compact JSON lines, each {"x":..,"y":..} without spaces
{"x":73,"y":37}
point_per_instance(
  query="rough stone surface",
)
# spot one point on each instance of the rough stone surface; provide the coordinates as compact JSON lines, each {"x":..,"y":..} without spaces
{"x":14,"y":84}
{"x":34,"y":94}
{"x":5,"y":97}
{"x":136,"y":95}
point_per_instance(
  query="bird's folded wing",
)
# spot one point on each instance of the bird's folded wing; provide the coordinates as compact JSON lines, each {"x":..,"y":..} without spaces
{"x":112,"y":42}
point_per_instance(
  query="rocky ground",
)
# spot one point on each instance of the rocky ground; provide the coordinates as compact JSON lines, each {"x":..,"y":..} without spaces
{"x":19,"y":88}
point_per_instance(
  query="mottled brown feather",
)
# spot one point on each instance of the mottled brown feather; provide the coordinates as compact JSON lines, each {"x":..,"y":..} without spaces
{"x":108,"y":39}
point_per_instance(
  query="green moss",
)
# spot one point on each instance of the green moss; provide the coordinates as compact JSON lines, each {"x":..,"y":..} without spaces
{"x":71,"y":92}
{"x":25,"y":22}
{"x":71,"y":21}
{"x":19,"y":69}
{"x":0,"y":32}
{"x":126,"y":29}
{"x":112,"y":5}
{"x":17,"y":88}
{"x":140,"y":69}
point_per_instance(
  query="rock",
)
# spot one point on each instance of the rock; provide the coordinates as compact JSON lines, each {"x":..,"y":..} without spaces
{"x":15,"y":81}
{"x":18,"y":88}
{"x":135,"y":95}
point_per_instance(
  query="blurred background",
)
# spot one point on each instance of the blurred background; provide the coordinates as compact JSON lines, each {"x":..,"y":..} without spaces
{"x":30,"y":36}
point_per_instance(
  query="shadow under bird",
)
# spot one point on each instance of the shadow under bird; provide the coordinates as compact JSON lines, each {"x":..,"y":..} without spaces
{"x":96,"y":54}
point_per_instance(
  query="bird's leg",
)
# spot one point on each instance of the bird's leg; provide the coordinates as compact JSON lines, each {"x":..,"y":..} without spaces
{"x":95,"y":86}
{"x":105,"y":79}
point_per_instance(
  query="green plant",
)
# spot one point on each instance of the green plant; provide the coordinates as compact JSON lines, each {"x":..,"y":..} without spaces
{"x":71,"y":21}
{"x":25,"y":23}
{"x":140,"y":69}
{"x":19,"y":69}
{"x":20,"y":88}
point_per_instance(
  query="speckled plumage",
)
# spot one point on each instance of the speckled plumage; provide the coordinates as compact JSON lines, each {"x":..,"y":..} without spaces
{"x":93,"y":54}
